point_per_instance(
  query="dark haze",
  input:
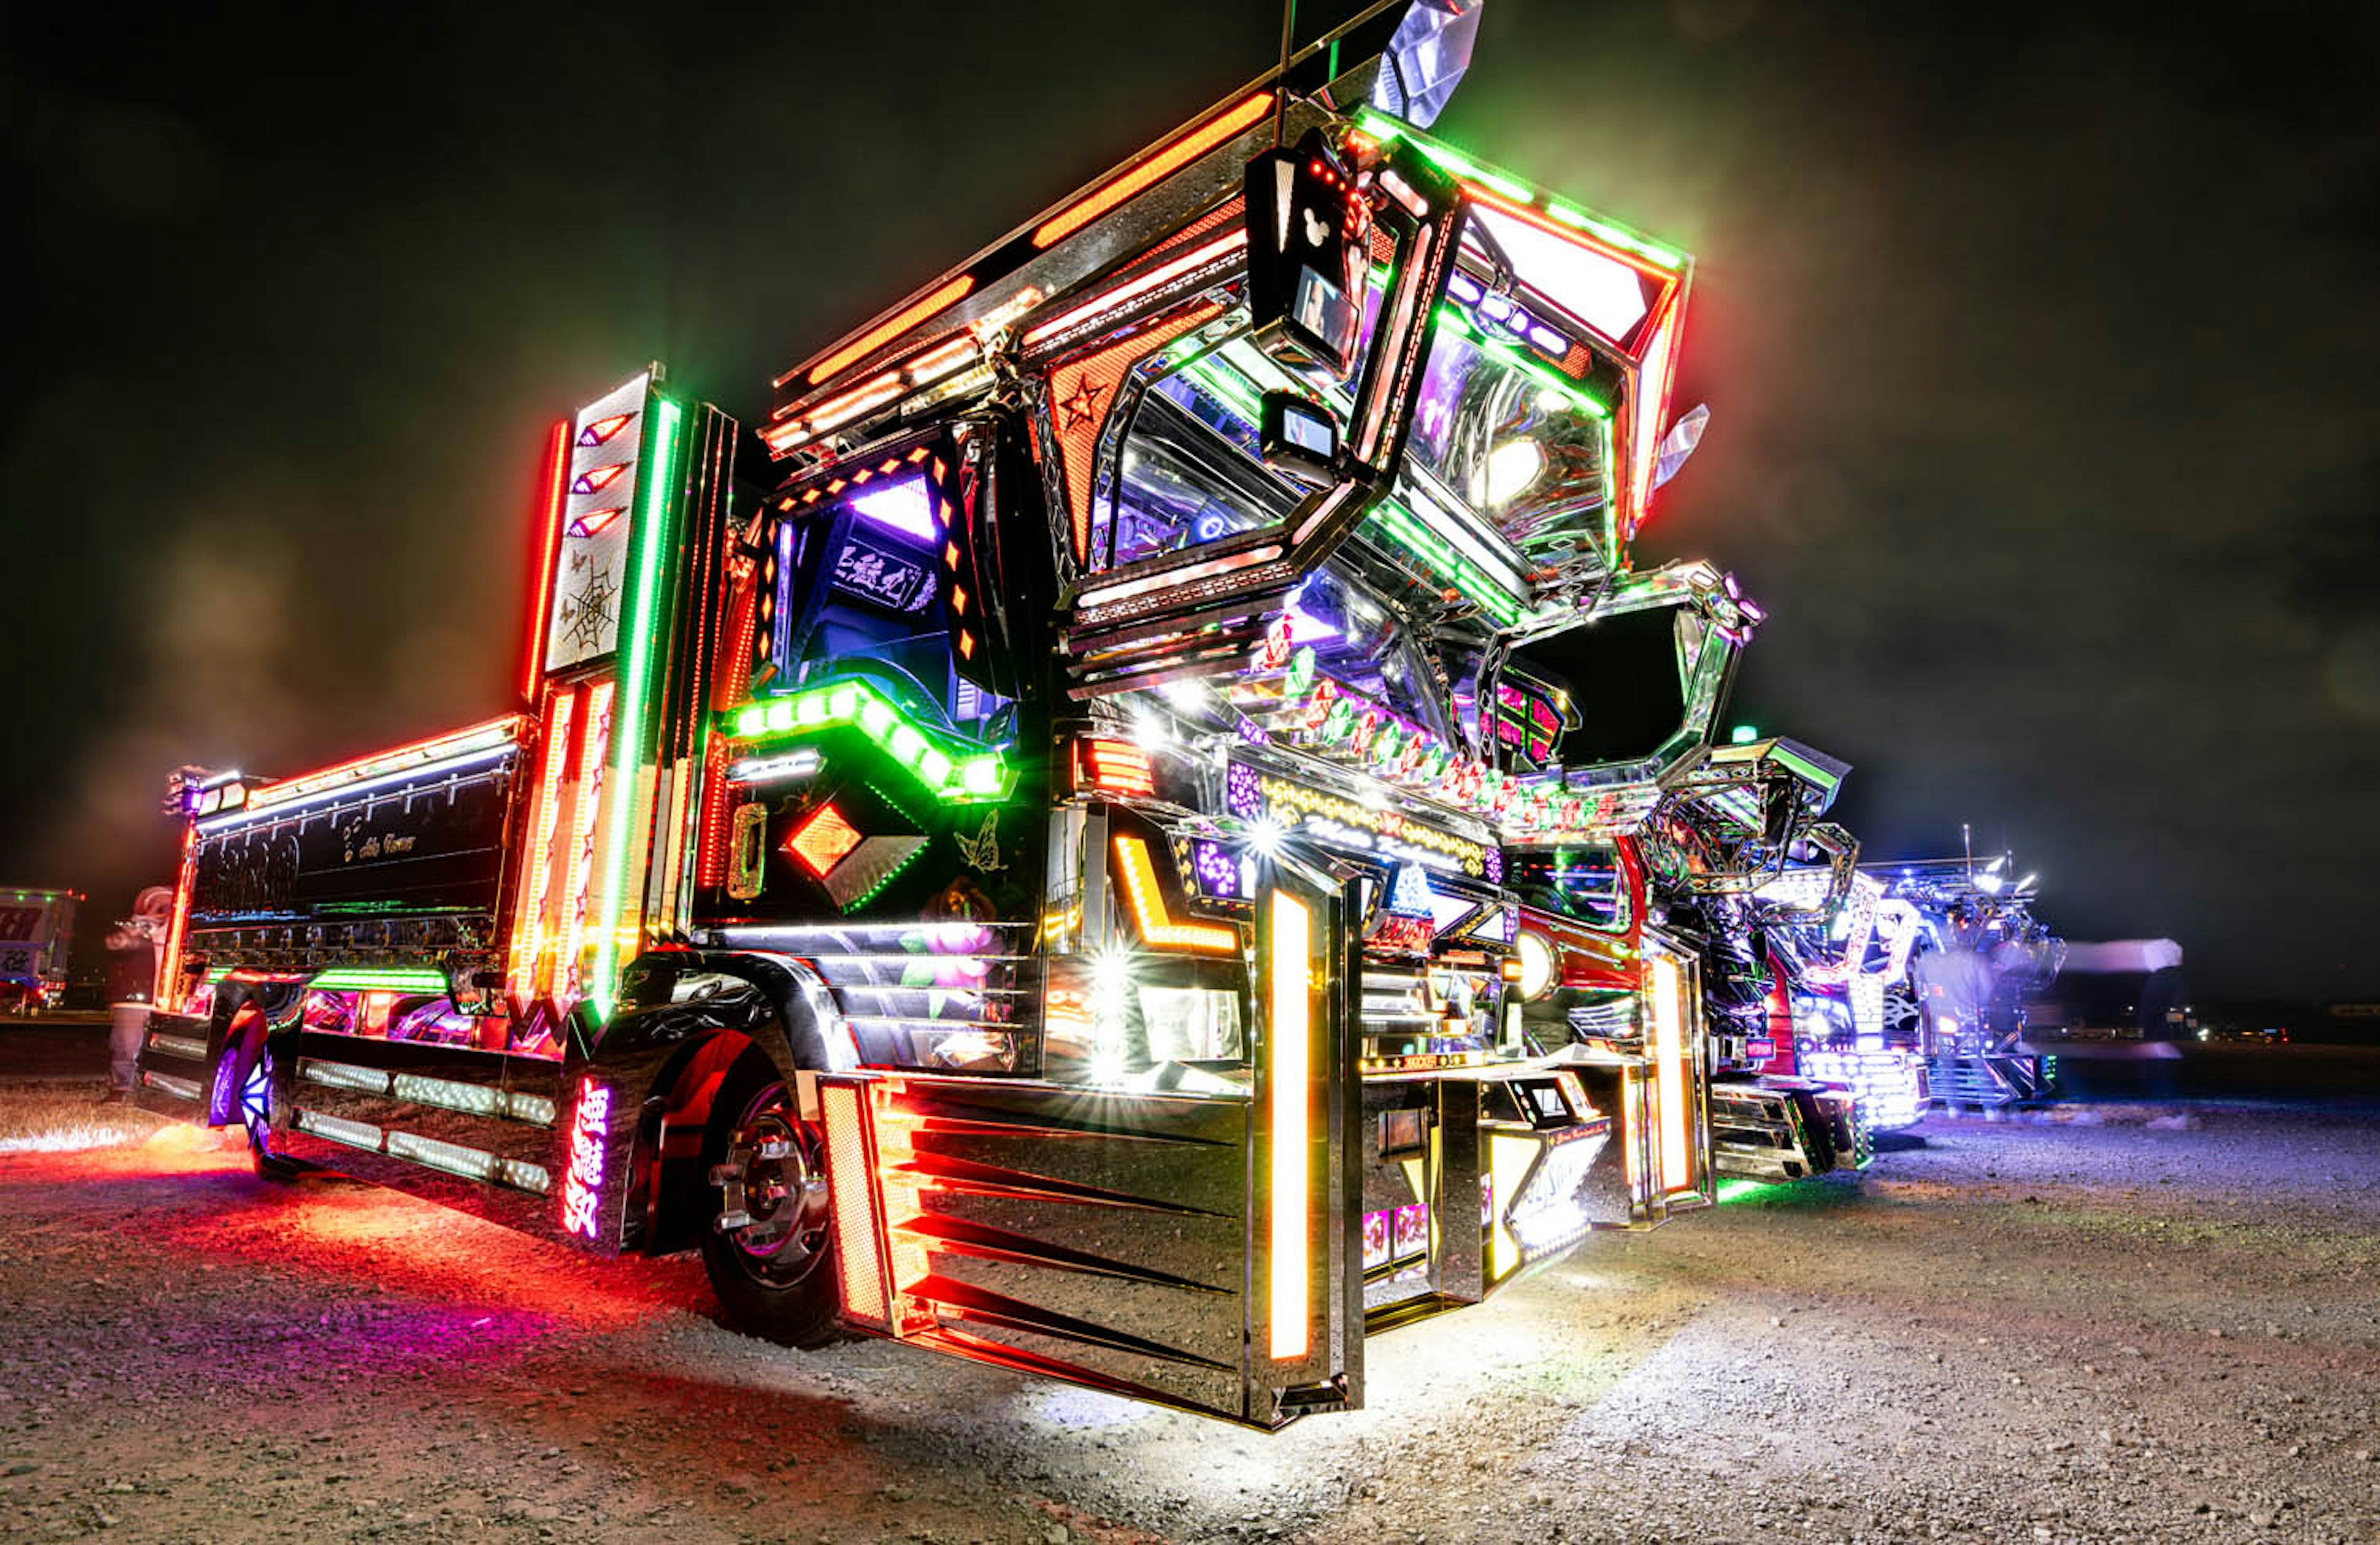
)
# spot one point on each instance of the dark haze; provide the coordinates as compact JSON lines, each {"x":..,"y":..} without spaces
{"x":2039,"y":348}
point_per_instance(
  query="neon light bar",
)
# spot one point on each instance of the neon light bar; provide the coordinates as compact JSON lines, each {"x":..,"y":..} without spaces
{"x":1291,"y":947}
{"x":1387,"y":518}
{"x":342,"y":1076}
{"x":628,"y":735}
{"x":592,"y":744}
{"x":1669,"y":1062}
{"x":1116,"y":767}
{"x":768,"y":770}
{"x":1516,"y":190}
{"x":1159,"y":928}
{"x":1154,"y":170}
{"x":949,"y":294}
{"x":956,"y":775}
{"x":179,"y":1046}
{"x":557,"y":480}
{"x":1155,"y":279}
{"x":528,"y":931}
{"x":181,"y":1089}
{"x":1645,"y":414}
{"x":355,"y":1134}
{"x":370,"y":770}
{"x":379,"y":978}
{"x":470,"y":1163}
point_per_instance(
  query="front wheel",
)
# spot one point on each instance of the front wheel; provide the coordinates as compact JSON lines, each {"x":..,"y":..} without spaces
{"x":770,"y":1246}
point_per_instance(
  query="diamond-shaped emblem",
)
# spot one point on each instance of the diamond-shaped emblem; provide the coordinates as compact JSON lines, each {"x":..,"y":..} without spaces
{"x":821,"y":842}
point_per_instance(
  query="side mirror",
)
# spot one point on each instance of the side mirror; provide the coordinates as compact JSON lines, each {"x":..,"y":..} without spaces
{"x":1309,"y":256}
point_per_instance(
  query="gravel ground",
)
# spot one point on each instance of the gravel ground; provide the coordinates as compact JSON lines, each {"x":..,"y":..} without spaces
{"x":2136,"y":1322}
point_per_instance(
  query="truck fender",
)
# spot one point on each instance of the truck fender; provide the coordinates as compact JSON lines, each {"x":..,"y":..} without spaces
{"x":685,"y":1020}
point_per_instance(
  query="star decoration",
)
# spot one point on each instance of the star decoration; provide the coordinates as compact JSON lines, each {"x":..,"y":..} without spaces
{"x":1079,"y":407}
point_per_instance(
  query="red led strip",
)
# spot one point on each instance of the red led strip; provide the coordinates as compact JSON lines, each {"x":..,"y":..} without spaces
{"x":1156,"y":169}
{"x":1116,"y":767}
{"x":557,"y":475}
{"x":885,"y":332}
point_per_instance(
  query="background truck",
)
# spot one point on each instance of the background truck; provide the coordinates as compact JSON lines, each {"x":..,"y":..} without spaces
{"x":36,"y":943}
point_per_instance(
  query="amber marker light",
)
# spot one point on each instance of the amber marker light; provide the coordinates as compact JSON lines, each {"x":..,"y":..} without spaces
{"x":1154,"y":170}
{"x":1158,"y":926}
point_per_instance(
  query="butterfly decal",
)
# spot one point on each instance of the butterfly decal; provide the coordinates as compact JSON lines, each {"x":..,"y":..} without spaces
{"x":982,"y":850}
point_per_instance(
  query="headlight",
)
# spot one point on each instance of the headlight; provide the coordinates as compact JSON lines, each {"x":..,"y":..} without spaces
{"x":1536,"y":966}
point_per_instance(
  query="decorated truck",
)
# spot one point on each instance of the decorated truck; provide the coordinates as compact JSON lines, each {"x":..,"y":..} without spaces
{"x":1711,"y":826}
{"x":36,"y":941}
{"x":1012,"y":857}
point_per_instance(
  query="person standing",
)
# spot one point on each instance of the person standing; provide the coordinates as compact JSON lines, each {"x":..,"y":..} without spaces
{"x":133,"y":946}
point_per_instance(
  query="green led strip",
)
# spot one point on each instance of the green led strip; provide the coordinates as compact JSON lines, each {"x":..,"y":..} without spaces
{"x":365,"y":979}
{"x":961,"y":779}
{"x":1450,"y":160}
{"x":628,"y":723}
{"x":1401,"y":524}
{"x":360,"y":979}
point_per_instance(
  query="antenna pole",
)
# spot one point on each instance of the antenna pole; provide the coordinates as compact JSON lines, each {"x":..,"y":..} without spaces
{"x":1281,"y":83}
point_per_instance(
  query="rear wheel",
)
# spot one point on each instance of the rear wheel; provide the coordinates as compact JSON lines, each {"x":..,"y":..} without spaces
{"x":768,"y":1250}
{"x":253,"y":1106}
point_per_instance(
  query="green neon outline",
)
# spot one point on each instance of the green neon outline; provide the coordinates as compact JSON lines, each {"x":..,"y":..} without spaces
{"x":628,"y":721}
{"x":1520,"y":190}
{"x":957,"y":773}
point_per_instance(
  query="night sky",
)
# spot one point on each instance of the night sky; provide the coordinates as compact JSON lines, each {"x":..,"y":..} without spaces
{"x":2039,"y":348}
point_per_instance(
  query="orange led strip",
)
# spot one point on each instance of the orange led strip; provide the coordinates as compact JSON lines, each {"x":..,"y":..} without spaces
{"x":528,"y":933}
{"x":1156,"y":169}
{"x":951,"y":293}
{"x":1157,"y":926}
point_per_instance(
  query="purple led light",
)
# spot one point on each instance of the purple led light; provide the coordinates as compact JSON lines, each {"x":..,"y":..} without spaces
{"x":1242,"y":796}
{"x":1495,"y":857}
{"x":1218,"y":869}
{"x":906,"y":506}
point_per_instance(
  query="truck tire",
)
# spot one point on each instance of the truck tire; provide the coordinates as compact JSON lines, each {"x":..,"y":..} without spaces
{"x":767,"y":1246}
{"x":253,"y":1107}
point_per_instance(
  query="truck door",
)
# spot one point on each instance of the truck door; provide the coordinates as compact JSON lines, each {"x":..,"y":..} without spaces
{"x":1189,"y":1238}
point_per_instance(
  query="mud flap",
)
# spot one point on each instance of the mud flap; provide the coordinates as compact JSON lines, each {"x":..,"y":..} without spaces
{"x":1196,"y":1249}
{"x":177,"y":1069}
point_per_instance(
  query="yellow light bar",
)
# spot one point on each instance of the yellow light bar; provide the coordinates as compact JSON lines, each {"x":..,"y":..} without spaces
{"x":1158,"y":928}
{"x":1293,"y":932}
{"x":1670,"y":1066}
